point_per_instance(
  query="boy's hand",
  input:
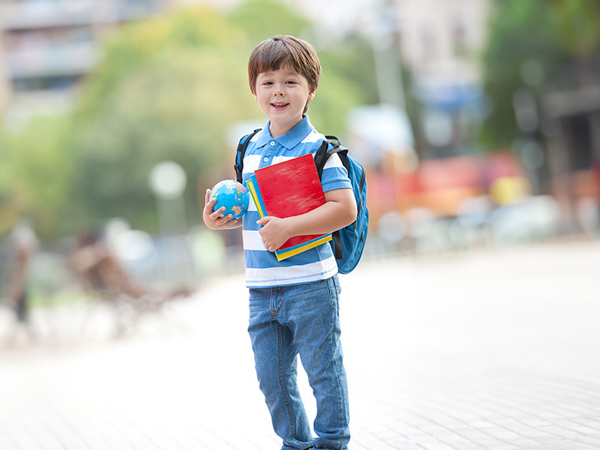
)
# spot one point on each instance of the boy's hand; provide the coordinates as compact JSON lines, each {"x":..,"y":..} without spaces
{"x":212,"y":218}
{"x":274,"y":232}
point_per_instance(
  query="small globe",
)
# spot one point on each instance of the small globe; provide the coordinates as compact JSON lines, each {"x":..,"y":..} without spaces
{"x":233,"y":196}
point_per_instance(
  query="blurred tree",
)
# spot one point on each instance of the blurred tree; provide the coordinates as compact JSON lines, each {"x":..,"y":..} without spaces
{"x":535,"y":45}
{"x":579,"y":27}
{"x":36,"y":168}
{"x":263,"y":19}
{"x":167,"y":89}
{"x":354,"y":58}
{"x":348,"y":81}
{"x":521,"y":35}
{"x":337,"y":94}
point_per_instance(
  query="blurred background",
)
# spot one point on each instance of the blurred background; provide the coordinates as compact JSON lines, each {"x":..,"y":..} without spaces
{"x":478,"y":122}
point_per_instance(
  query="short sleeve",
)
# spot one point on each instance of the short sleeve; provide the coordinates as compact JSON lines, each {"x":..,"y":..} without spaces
{"x":335,"y":175}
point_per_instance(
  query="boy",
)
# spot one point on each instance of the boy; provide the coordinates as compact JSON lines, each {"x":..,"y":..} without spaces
{"x":293,"y":303}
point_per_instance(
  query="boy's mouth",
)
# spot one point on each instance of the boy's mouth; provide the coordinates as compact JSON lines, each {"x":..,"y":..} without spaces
{"x":279,"y":106}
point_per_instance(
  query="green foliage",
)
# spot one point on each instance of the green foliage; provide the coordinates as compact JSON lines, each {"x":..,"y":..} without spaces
{"x":167,"y":90}
{"x":336,"y":95}
{"x":520,"y":32}
{"x":263,"y":19}
{"x":561,"y":37}
{"x":36,"y":168}
{"x":141,"y":43}
{"x":348,"y":80}
{"x":578,"y":22}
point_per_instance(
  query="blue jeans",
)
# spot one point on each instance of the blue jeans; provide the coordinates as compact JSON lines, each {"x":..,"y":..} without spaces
{"x":303,"y":319}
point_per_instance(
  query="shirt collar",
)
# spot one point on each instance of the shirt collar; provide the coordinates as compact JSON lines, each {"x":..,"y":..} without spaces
{"x":290,"y":139}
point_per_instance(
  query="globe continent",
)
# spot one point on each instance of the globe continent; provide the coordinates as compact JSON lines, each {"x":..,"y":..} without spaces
{"x":233,"y":196}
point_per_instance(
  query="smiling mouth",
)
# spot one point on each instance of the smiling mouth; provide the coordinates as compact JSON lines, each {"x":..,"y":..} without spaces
{"x":279,"y":105}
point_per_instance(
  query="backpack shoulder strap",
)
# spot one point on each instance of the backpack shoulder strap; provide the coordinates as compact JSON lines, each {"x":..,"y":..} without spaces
{"x":241,"y":151}
{"x":321,"y":157}
{"x":324,"y":152}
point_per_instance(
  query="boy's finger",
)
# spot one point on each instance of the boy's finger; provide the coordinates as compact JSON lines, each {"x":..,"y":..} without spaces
{"x":210,"y":204}
{"x":223,"y":220}
{"x":234,"y":221}
{"x":263,"y":220}
{"x":217,"y":214}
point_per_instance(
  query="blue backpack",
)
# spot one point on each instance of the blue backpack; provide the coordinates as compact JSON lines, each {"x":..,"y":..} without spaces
{"x":349,"y":242}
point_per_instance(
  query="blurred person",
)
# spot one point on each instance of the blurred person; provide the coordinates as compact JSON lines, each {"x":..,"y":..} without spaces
{"x":294,"y":305}
{"x":99,"y":270}
{"x":100,"y":273}
{"x":22,"y":245}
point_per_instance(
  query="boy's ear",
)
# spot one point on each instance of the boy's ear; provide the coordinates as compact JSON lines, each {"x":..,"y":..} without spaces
{"x":311,"y":94}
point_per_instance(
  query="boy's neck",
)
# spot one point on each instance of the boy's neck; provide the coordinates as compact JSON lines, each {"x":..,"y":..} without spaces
{"x":280,"y":130}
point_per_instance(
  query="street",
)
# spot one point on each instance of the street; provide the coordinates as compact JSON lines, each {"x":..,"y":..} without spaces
{"x":488,"y":349}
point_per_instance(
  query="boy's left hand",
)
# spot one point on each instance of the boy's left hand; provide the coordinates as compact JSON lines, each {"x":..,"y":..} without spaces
{"x":274,"y":232}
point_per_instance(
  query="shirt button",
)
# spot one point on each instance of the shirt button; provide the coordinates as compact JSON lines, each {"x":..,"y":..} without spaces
{"x":266,"y":159}
{"x":272,"y":143}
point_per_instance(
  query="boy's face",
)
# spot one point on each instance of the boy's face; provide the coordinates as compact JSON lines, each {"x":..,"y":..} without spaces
{"x":282,"y":96}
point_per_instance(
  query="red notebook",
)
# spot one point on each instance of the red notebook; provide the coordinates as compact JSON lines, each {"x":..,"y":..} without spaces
{"x":289,"y":189}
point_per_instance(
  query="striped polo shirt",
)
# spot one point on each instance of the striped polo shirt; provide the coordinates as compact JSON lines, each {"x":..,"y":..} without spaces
{"x":262,"y":268}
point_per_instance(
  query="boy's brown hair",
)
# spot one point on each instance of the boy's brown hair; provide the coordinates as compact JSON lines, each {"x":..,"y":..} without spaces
{"x":281,"y":51}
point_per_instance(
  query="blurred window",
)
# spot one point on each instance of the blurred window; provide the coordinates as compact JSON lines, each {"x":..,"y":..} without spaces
{"x":54,"y":83}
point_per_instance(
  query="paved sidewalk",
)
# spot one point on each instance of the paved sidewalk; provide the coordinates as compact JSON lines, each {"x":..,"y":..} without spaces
{"x":484,"y":350}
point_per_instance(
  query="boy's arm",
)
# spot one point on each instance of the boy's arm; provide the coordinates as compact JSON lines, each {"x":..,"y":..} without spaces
{"x":212,"y":218}
{"x":338,"y":212}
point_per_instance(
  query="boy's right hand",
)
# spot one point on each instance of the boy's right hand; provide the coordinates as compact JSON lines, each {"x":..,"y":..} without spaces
{"x":213,"y":219}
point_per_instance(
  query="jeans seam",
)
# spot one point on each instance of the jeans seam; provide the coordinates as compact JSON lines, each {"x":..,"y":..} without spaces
{"x":332,"y":337}
{"x":282,"y":382}
{"x":342,"y":409}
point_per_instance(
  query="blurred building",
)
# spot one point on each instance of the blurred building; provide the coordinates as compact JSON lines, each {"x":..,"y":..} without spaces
{"x":572,"y":135}
{"x":440,"y":41}
{"x":48,"y":46}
